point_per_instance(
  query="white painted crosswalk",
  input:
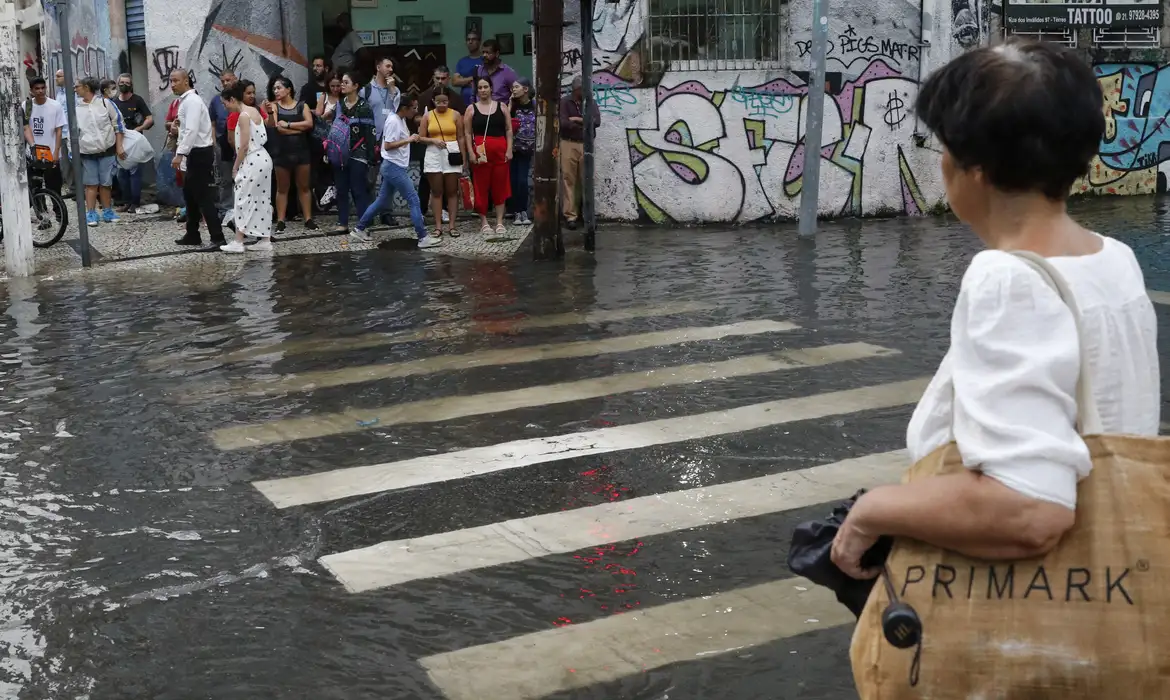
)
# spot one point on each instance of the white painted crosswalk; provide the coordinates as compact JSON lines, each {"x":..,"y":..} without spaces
{"x":611,"y":647}
{"x":436,"y":410}
{"x":431,"y":364}
{"x":607,"y":649}
{"x":396,"y":562}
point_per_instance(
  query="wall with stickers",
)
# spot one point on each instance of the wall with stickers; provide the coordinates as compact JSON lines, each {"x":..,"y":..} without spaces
{"x":703,"y":113}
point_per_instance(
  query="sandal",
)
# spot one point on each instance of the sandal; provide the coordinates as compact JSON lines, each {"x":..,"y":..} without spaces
{"x":501,"y":229}
{"x":438,"y":233}
{"x":487,"y":230}
{"x":452,"y":232}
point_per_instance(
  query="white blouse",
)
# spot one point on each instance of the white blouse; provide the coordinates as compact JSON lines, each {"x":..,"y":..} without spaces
{"x":1006,"y":390}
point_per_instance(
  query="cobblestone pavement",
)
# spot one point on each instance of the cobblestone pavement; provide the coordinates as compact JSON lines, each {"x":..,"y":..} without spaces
{"x":147,"y":243}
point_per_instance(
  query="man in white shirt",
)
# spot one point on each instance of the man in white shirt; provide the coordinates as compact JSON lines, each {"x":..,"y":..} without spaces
{"x":61,"y":96}
{"x":396,"y":141}
{"x":195,"y":161}
{"x":44,"y":120}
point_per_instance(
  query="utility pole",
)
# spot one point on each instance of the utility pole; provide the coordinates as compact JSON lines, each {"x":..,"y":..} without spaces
{"x":588,"y":210}
{"x":19,"y":254}
{"x":810,"y":190}
{"x":74,"y":132}
{"x":548,"y":27}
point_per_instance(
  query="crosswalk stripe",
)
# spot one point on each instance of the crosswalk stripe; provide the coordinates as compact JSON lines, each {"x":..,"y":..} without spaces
{"x":1158,"y":297}
{"x":395,"y":562}
{"x":306,"y":381}
{"x":388,"y":476}
{"x":604,"y":650}
{"x":449,"y":330}
{"x":448,"y":408}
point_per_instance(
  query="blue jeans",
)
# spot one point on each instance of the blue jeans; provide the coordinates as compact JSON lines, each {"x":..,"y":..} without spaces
{"x":131,"y":183}
{"x":353,"y":179}
{"x":521,"y":167}
{"x":395,"y":178}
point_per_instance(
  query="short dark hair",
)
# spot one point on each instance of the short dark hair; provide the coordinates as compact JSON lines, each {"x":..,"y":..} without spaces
{"x":321,"y":57}
{"x":235,"y":92}
{"x":408,"y":100}
{"x":1027,"y":113}
{"x":491,"y":45}
{"x":91,"y":83}
{"x":37,"y":82}
{"x":441,"y":69}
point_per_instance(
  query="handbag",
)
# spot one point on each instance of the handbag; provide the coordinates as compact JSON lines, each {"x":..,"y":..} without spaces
{"x":454,"y":157}
{"x":1086,"y":620}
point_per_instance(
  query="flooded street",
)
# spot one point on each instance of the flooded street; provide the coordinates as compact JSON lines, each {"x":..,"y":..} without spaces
{"x":394,"y":475}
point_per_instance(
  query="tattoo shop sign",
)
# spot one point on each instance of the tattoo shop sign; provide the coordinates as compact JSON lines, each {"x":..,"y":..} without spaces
{"x":1023,"y":16}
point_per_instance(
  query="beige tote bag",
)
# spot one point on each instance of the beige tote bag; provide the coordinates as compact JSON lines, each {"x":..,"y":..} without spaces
{"x":1091,"y":619}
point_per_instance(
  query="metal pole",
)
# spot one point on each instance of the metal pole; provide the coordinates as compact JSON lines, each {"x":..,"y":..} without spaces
{"x":548,"y":27}
{"x":588,"y":211}
{"x":19,"y":255}
{"x":814,"y":120}
{"x":74,"y":132}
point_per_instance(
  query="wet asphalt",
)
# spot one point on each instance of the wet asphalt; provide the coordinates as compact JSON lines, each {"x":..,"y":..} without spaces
{"x":141,"y":563}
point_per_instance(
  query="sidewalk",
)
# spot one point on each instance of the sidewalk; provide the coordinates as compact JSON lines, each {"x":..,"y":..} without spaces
{"x":147,"y":242}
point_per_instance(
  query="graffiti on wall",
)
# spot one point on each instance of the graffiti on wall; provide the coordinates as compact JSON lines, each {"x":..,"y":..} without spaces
{"x":87,"y":59}
{"x":92,"y":50}
{"x":737,"y":155}
{"x":255,"y":41}
{"x":1134,"y":157}
{"x":695,"y":146}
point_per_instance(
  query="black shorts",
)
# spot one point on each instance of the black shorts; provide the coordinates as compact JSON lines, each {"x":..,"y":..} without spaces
{"x":292,"y":158}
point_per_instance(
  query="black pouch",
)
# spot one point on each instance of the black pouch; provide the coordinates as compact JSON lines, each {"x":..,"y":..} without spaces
{"x":810,"y":556}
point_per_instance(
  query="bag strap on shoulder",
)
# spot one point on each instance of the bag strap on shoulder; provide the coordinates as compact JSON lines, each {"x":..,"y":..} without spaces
{"x":1088,"y":418}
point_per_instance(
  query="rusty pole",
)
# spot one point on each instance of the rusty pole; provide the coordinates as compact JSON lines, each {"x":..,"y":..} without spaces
{"x":548,"y":29}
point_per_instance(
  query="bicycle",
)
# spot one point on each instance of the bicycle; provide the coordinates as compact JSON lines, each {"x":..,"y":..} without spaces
{"x":48,"y":208}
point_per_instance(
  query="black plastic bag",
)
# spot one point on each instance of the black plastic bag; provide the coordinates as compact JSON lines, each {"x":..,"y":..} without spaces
{"x":810,"y":556}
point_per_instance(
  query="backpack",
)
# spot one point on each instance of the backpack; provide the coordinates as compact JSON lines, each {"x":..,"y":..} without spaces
{"x":524,"y":138}
{"x":337,"y":147}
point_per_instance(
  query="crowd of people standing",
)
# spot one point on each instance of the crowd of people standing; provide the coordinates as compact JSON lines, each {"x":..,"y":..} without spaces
{"x":245,"y":162}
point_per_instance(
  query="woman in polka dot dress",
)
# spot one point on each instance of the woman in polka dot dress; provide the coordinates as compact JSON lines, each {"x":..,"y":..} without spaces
{"x":252,"y":174}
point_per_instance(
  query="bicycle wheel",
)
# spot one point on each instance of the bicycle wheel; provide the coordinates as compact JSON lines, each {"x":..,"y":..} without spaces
{"x":50,"y":217}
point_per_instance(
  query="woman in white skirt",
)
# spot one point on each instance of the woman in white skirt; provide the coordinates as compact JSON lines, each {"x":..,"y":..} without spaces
{"x":442,"y":131}
{"x":252,"y":174}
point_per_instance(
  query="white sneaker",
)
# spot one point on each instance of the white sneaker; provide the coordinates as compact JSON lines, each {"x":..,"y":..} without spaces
{"x":360,"y":235}
{"x":233,"y":247}
{"x":261,"y":245}
{"x":429,"y":242}
{"x":446,"y":218}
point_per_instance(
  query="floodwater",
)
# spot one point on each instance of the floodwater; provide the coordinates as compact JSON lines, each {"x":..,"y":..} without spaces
{"x":140,"y":561}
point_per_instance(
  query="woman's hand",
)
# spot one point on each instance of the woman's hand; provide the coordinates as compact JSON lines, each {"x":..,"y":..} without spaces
{"x":177,"y":161}
{"x":850,"y":544}
{"x":235,"y":171}
{"x":508,"y":154}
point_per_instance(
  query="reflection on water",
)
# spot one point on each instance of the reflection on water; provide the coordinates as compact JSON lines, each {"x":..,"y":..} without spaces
{"x":140,"y":508}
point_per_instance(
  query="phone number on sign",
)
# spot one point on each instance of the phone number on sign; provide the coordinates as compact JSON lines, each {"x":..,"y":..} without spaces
{"x":1138,"y":15}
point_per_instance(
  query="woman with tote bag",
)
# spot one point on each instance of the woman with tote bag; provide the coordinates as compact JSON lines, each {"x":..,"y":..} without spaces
{"x":1030,"y":555}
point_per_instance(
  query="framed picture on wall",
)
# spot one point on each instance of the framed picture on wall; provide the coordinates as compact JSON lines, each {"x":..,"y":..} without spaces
{"x":507,"y":43}
{"x":388,"y":37}
{"x":527,"y":44}
{"x":367,"y":38}
{"x":473,"y":24}
{"x":363,"y":3}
